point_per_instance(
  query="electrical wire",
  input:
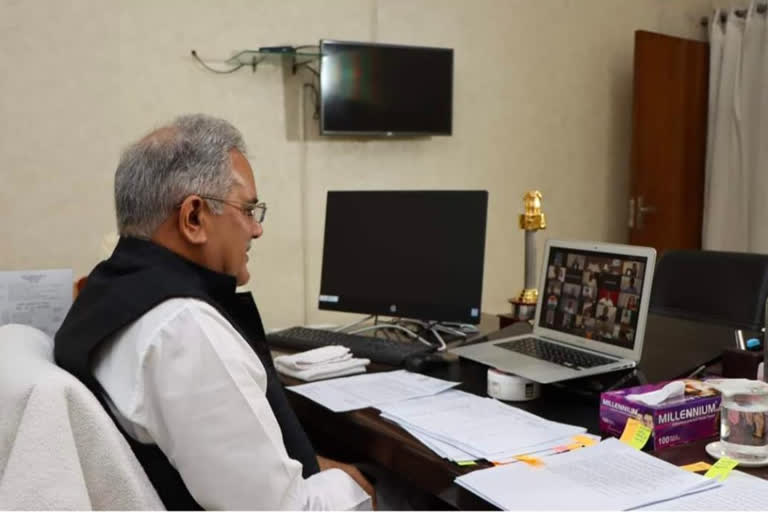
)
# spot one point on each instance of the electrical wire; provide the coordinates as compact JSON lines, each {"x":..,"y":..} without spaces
{"x":357,"y":322}
{"x":392,"y":326}
{"x":439,"y":339}
{"x":462,"y":327}
{"x":316,"y":113}
{"x":214,"y":70}
{"x":306,"y":65}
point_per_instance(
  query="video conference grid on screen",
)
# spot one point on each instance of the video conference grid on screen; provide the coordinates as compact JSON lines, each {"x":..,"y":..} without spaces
{"x":593,"y":295}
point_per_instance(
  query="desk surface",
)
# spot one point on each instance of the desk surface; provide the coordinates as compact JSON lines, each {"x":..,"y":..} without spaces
{"x":363,"y":436}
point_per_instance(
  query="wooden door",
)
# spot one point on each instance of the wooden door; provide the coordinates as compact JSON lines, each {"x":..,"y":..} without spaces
{"x":669,"y":124}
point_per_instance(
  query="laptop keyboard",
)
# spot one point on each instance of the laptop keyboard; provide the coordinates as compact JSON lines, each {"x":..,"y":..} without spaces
{"x":554,"y":353}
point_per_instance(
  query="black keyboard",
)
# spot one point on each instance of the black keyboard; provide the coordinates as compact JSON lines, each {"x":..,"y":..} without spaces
{"x":378,"y":350}
{"x":555,"y":353}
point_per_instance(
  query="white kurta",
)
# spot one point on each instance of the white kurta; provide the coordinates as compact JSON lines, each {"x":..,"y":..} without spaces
{"x":183,"y":378}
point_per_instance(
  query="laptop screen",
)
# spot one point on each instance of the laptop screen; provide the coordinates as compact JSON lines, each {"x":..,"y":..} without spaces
{"x":594,"y":295}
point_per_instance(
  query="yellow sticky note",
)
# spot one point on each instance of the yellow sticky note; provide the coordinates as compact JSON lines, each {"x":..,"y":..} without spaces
{"x":585,"y":440}
{"x":635,"y":434}
{"x":696,"y":466}
{"x":466,"y":462}
{"x":721,"y":469}
{"x":533,"y":461}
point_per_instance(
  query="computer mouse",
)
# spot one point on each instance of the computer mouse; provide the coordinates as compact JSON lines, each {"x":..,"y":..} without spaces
{"x":424,"y":362}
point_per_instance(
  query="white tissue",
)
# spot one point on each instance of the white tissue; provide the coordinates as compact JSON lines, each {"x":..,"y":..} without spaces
{"x":675,"y":389}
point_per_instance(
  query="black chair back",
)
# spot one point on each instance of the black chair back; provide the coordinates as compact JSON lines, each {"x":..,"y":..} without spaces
{"x":726,"y":288}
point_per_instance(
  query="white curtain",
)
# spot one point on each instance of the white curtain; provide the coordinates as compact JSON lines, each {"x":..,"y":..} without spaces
{"x":736,"y":187}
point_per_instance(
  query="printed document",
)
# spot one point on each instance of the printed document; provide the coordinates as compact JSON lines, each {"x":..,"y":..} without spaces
{"x":739,"y":491}
{"x":608,"y":476}
{"x":481,"y":427}
{"x":40,"y":298}
{"x":372,"y":389}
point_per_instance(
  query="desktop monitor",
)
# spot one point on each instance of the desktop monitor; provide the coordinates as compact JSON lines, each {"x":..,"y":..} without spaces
{"x":412,"y":254}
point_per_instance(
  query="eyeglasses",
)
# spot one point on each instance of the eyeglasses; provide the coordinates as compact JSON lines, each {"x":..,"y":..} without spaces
{"x":255,"y":211}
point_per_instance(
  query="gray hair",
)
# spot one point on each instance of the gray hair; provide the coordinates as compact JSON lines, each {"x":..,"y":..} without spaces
{"x":188,"y":156}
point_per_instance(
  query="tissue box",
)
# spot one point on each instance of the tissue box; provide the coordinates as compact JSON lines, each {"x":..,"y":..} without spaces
{"x":674,"y":422}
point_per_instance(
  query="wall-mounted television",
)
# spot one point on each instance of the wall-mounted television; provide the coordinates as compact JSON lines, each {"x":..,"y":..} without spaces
{"x":385,"y":90}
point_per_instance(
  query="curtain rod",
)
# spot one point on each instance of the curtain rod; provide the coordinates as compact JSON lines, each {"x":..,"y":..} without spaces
{"x":741,"y":13}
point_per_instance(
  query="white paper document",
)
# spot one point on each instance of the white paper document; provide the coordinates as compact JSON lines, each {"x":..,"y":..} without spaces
{"x":739,"y":491}
{"x":372,"y":389}
{"x":441,"y":448}
{"x":608,"y":476}
{"x":554,"y":448}
{"x":40,"y":298}
{"x":480,"y":427}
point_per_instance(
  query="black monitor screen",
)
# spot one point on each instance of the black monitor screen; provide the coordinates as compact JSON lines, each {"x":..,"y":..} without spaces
{"x":385,"y":90}
{"x":414,"y":254}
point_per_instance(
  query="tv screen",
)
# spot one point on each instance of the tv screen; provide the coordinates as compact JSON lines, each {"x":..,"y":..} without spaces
{"x":413,"y":254}
{"x":380,"y":89}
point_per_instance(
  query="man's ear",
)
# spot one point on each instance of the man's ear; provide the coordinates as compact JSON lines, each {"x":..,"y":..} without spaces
{"x":192,"y":220}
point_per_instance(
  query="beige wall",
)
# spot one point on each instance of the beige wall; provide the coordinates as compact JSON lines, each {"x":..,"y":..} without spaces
{"x":542,"y":100}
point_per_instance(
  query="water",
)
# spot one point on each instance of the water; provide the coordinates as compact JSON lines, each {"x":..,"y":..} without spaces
{"x":743,"y":426}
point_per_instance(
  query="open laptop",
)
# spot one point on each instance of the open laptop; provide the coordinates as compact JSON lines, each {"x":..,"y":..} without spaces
{"x":590,"y":315}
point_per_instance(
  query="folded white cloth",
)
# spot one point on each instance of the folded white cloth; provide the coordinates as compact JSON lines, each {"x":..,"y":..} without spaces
{"x":320,"y":363}
{"x":314,"y":357}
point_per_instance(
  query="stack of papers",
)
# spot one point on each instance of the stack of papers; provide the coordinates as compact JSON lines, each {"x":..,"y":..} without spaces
{"x":739,"y":491}
{"x":610,"y":475}
{"x":373,"y":389}
{"x":461,"y":426}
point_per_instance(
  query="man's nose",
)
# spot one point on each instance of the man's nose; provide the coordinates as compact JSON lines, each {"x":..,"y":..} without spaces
{"x":257,"y":230}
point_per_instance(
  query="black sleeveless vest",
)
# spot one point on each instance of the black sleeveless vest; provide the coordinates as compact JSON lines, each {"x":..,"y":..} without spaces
{"x":137,"y":277}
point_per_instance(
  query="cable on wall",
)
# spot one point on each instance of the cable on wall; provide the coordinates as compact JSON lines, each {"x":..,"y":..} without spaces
{"x":254,"y":62}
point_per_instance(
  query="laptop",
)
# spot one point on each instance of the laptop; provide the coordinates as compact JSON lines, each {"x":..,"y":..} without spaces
{"x":590,"y":315}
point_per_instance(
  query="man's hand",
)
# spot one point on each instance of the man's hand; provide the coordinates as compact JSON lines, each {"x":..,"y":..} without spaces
{"x":353,"y":472}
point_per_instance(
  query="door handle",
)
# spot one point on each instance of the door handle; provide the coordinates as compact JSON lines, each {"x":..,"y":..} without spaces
{"x":631,"y":221}
{"x":643,"y":210}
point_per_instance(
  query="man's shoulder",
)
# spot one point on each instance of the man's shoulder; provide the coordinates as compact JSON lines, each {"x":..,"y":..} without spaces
{"x":176,"y":315}
{"x":177,"y":306}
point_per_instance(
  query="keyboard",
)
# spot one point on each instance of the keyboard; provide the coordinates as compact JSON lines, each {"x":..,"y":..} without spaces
{"x":554,"y":353}
{"x":378,"y":350}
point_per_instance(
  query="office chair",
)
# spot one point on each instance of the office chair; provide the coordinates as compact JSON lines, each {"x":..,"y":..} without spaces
{"x":724,"y":288}
{"x":58,"y":447}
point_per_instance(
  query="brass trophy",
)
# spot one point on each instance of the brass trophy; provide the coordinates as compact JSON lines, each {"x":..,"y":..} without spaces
{"x":524,"y":305}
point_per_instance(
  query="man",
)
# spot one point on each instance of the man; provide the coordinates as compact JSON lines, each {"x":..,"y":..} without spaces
{"x":177,"y":357}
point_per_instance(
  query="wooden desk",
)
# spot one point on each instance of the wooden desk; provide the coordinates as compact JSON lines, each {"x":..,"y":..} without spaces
{"x":362,"y":436}
{"x":694,"y":452}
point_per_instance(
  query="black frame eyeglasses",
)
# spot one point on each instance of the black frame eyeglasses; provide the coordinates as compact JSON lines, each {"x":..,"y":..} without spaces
{"x":255,"y":211}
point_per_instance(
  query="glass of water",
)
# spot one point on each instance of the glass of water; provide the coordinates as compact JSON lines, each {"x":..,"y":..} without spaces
{"x":743,"y":422}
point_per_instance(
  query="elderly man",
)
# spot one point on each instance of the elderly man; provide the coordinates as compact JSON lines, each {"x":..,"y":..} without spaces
{"x":176,"y":356}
